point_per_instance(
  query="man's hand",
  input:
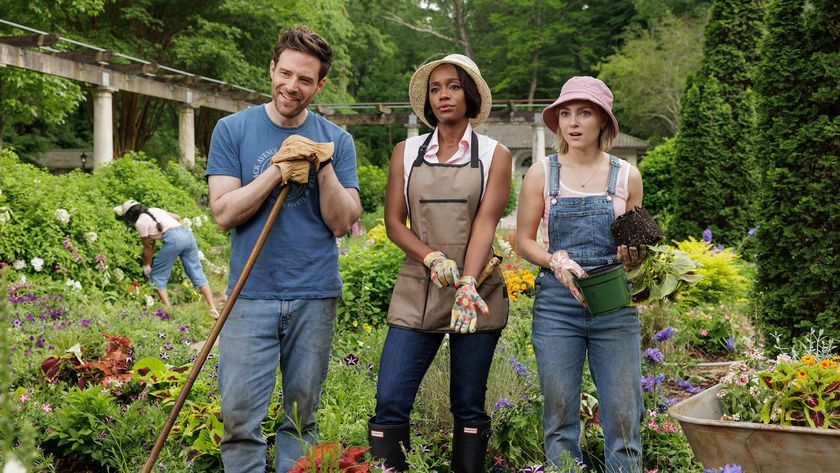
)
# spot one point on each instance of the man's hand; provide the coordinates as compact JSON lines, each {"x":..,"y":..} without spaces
{"x":295,"y":171}
{"x":444,"y":270}
{"x":566,"y":270}
{"x":467,"y":306}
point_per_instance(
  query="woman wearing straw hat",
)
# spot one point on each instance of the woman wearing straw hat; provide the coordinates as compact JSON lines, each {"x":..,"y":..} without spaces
{"x":578,"y":193}
{"x":178,"y":242}
{"x":452,"y":184}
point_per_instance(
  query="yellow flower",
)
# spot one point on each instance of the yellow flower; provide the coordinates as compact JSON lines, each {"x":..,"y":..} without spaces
{"x":802,"y":375}
{"x":827,"y":364}
{"x":367,"y":328}
{"x":810,"y":360}
{"x":355,"y":323}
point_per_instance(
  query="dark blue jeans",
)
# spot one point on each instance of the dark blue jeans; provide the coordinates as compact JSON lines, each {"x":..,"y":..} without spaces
{"x":406,"y":357}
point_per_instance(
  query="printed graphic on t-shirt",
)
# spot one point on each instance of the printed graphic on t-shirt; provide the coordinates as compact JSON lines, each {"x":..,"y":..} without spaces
{"x":297,"y":194}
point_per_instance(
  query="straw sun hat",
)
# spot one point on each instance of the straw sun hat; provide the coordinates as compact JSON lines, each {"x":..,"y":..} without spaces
{"x":419,"y":85}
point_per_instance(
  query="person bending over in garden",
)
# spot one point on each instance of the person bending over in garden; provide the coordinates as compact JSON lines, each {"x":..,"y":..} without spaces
{"x":178,"y":242}
{"x":453,"y":184}
{"x":287,"y":308}
{"x":577,"y":193}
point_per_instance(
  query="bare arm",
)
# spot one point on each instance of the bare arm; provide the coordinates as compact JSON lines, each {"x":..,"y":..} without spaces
{"x":340,"y":206}
{"x":489,"y":212}
{"x":148,"y":251}
{"x":528,"y":217}
{"x":396,"y":211}
{"x":635,"y":189}
{"x":175,"y":216}
{"x":232,"y":204}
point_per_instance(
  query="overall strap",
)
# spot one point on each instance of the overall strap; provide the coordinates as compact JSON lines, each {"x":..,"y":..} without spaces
{"x":421,"y":152}
{"x":615,"y":167}
{"x":474,"y":152}
{"x":554,"y":175}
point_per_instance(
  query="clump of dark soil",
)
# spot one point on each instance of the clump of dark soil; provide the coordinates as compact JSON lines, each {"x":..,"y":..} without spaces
{"x":636,"y":228}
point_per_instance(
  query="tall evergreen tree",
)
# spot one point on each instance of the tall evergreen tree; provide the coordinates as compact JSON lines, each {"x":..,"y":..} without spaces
{"x":798,"y":84}
{"x":714,"y":171}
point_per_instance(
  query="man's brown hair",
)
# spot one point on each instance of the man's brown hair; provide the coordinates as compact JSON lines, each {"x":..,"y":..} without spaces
{"x":301,"y":38}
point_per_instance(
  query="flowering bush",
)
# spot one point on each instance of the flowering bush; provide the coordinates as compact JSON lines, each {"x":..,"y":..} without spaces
{"x":519,"y":278}
{"x":798,"y":391}
{"x":708,"y":330}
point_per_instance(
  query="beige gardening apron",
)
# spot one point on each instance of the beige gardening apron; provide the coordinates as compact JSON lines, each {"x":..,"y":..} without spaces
{"x":443,"y":200}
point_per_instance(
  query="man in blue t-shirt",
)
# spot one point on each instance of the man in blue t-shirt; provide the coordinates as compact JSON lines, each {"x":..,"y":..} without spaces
{"x":286,"y":310}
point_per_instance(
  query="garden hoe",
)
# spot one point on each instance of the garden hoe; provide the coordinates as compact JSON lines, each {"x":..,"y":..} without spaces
{"x":214,"y":333}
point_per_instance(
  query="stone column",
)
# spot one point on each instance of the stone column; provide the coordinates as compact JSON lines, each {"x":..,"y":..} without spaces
{"x":538,"y":138}
{"x":186,"y":135}
{"x":103,"y":127}
{"x":412,"y":126}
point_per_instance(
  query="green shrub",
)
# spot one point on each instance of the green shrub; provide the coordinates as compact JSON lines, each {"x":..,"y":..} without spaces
{"x":63,"y":227}
{"x":656,"y":169}
{"x":369,"y":268}
{"x":372,"y":182}
{"x":724,"y":279}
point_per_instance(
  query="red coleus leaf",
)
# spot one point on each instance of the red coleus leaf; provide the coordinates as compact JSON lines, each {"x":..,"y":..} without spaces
{"x":817,"y":417}
{"x":832,"y":387}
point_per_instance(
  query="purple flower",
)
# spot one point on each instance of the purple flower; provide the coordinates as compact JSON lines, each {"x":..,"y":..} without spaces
{"x":653,"y":356}
{"x":520,"y":369}
{"x":731,"y":469}
{"x":16,"y":323}
{"x":167,"y":346}
{"x":533,"y":469}
{"x":690,"y":388}
{"x":707,"y":235}
{"x":718,"y":248}
{"x":84,"y":323}
{"x":184,"y":328}
{"x":649,"y":383}
{"x":351,"y":360}
{"x":102,"y":434}
{"x":730,"y":345}
{"x":502,"y":403}
{"x":664,"y":334}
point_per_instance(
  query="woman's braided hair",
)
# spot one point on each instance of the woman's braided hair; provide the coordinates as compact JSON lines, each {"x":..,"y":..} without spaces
{"x":132,"y":214}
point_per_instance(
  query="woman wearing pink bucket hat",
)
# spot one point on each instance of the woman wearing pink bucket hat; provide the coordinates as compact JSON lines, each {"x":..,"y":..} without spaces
{"x":577,"y":193}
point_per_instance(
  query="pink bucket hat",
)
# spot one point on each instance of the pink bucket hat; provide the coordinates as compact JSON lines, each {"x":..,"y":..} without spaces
{"x":581,"y":88}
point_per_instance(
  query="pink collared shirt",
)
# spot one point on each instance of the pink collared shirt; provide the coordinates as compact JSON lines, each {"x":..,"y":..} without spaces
{"x":462,"y":154}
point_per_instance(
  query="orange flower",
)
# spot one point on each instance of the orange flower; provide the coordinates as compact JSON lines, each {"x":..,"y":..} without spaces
{"x":827,"y":364}
{"x":810,"y":360}
{"x":802,"y":375}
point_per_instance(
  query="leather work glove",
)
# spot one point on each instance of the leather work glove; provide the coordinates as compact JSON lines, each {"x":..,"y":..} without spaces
{"x":295,"y":171}
{"x":444,"y":270}
{"x":147,"y":271}
{"x":632,"y":256}
{"x":296,"y":147}
{"x":566,"y":270}
{"x":467,"y":306}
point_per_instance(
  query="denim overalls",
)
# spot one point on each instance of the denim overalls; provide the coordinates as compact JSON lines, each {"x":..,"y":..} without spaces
{"x":564,"y":332}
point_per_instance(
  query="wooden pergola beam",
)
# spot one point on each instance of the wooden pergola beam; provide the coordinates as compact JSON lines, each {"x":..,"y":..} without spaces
{"x":89,"y":57}
{"x":134,"y":68}
{"x":28,"y":41}
{"x":110,"y":78}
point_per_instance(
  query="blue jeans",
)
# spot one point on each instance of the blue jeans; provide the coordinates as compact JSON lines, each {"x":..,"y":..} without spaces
{"x":258,"y":334}
{"x":563,"y":334}
{"x":177,"y":242}
{"x":406,"y":357}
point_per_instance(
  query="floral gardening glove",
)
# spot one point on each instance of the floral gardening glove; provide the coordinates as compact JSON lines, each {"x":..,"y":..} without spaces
{"x":147,"y":271}
{"x":632,"y":256}
{"x":467,"y":306}
{"x":444,"y":270}
{"x":566,"y":270}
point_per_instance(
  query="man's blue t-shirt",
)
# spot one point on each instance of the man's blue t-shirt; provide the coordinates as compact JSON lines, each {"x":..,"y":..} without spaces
{"x":299,"y":259}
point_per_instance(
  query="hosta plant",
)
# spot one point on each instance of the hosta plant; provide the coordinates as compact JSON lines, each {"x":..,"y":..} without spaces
{"x":665,"y":273}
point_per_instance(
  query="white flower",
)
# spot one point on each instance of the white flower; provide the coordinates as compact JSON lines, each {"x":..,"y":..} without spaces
{"x":505,"y":247}
{"x":5,"y":214}
{"x":119,"y":275}
{"x":62,"y":216}
{"x":19,"y":264}
{"x":37,"y":264}
{"x":91,"y":237}
{"x":187,"y":222}
{"x":150,"y":301}
{"x":197,"y":221}
{"x":75,"y":285}
{"x":13,"y":466}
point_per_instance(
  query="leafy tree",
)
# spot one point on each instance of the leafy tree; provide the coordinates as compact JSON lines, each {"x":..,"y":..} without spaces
{"x":648,"y":74}
{"x":798,"y":83}
{"x":656,"y":169}
{"x":714,"y":180}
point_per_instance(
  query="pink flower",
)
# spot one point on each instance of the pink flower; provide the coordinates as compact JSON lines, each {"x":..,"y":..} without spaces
{"x":652,"y":425}
{"x":704,"y":333}
{"x":24,"y":397}
{"x":669,"y":427}
{"x":46,"y":407}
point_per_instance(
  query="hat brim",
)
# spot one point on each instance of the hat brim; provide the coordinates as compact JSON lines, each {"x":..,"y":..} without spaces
{"x":550,"y":113}
{"x":419,"y":85}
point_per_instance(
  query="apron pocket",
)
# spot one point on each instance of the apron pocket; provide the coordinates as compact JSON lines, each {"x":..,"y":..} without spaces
{"x":452,"y":211}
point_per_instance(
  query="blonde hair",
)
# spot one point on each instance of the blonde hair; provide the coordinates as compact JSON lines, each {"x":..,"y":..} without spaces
{"x":605,"y":138}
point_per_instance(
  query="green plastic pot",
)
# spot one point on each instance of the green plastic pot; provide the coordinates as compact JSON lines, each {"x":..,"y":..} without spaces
{"x":605,"y":288}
